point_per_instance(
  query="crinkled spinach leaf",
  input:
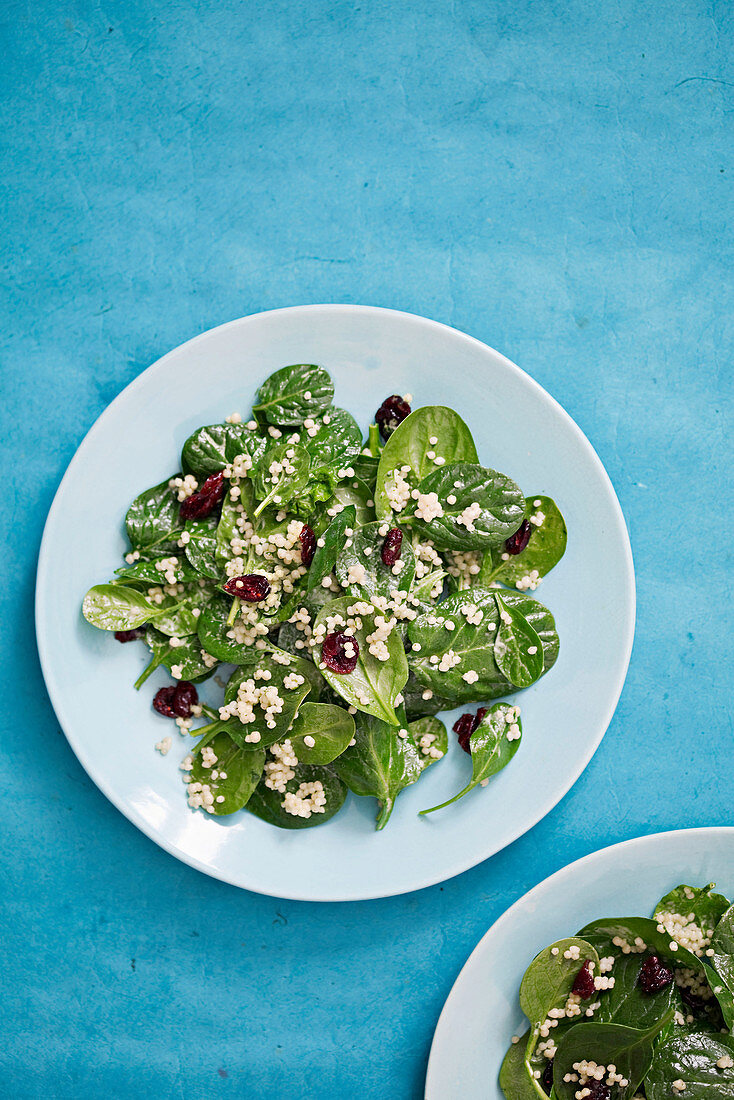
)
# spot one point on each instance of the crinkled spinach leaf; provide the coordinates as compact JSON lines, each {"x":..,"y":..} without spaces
{"x":500,"y":502}
{"x":291,"y":696}
{"x":153,"y":520}
{"x":333,"y":538}
{"x":211,"y":448}
{"x":381,"y":763}
{"x":372,"y":576}
{"x":692,"y":1059}
{"x":273,"y":486}
{"x":293,"y":394}
{"x":268,"y":804}
{"x":201,"y":549}
{"x":629,"y":1049}
{"x":546,"y":547}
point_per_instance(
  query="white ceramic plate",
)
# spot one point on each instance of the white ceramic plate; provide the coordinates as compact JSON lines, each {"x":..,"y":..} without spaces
{"x":482,"y":1012}
{"x":370,"y":353}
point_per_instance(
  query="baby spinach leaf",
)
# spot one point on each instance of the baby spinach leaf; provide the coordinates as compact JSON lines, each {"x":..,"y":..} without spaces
{"x":473,"y":644}
{"x":629,"y":1049}
{"x":277,"y":486}
{"x":694,"y":1060}
{"x":241,"y":766}
{"x":373,"y":685}
{"x":381,"y":763}
{"x":291,"y":697}
{"x":723,"y":947}
{"x":117,"y":607}
{"x":371,"y":576}
{"x":603,"y":932}
{"x":153,"y":520}
{"x":501,"y":504}
{"x":491,"y":748}
{"x":189,"y":656}
{"x":365,"y":467}
{"x":214,"y":633}
{"x":333,"y":445}
{"x":268,"y":804}
{"x":210,"y":449}
{"x":518,"y":650}
{"x":226,"y":530}
{"x":625,"y":1003}
{"x":697,"y":904}
{"x":293,"y":394}
{"x":330,"y":727}
{"x":289,"y":634}
{"x":201,"y":549}
{"x":154,"y":571}
{"x":416,"y":705}
{"x":549,"y":979}
{"x":423,"y":590}
{"x":410,"y":444}
{"x":357,"y":493}
{"x":333,"y":538}
{"x":516,"y":1080}
{"x":429,"y":733}
{"x":180,"y":619}
{"x":546,"y":547}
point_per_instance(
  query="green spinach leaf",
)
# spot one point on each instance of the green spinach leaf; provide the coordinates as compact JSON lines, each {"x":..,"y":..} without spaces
{"x":201,"y":548}
{"x":335,"y":444}
{"x":410,"y":444}
{"x":548,"y":981}
{"x":188,"y":656}
{"x":516,"y":1080}
{"x":267,"y":804}
{"x":274,"y":727}
{"x":117,"y":607}
{"x":153,"y":520}
{"x":214,"y":634}
{"x":209,"y":449}
{"x":493,"y":745}
{"x":723,"y":948}
{"x":155,"y":569}
{"x":546,"y":547}
{"x":692,"y":1059}
{"x":629,"y":1049}
{"x":293,"y":394}
{"x":281,"y":473}
{"x":356,"y":492}
{"x":330,"y":728}
{"x":518,"y":650}
{"x":242,"y":768}
{"x":370,"y":576}
{"x":373,"y":685}
{"x":381,"y":763}
{"x":625,"y":1003}
{"x":462,"y":487}
{"x":603,"y":932}
{"x":333,"y":539}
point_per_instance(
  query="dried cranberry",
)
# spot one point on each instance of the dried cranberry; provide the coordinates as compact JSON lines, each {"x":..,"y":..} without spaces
{"x":466,"y":725}
{"x":176,"y":700}
{"x":307,"y":539}
{"x":252,"y":588}
{"x":129,"y":635}
{"x":584,"y":986}
{"x":185,"y":696}
{"x":390,"y":552}
{"x":597,"y":1090}
{"x":517,"y":542}
{"x":163,"y":701}
{"x":334,"y":652}
{"x":654,"y":975}
{"x":200,"y":504}
{"x":391,"y":412}
{"x":547,"y":1078}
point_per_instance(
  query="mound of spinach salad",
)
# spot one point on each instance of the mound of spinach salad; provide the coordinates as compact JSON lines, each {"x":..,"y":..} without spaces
{"x":349,"y":590}
{"x":632,"y":1007}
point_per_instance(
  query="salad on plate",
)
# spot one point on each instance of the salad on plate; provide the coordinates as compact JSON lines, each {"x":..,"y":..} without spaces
{"x":340,"y":592}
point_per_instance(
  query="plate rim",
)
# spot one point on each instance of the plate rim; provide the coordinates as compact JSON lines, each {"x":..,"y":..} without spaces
{"x":557,"y":876}
{"x":461,"y":865}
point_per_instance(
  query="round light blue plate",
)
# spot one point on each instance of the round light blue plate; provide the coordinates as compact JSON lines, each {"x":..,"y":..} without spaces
{"x":370,"y":353}
{"x":482,"y":1012}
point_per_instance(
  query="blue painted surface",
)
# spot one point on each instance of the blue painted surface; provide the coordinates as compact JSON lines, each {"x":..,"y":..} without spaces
{"x":552,"y":178}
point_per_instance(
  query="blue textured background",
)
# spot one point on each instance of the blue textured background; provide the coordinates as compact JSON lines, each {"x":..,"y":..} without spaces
{"x":551,"y":177}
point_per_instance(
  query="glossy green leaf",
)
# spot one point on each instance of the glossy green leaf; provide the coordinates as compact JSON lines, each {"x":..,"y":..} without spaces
{"x":373,"y":685}
{"x":209,"y":449}
{"x":277,"y":488}
{"x":462,"y":485}
{"x":330,"y":727}
{"x":334,"y":445}
{"x":201,"y":549}
{"x":293,"y":394}
{"x":153,"y":520}
{"x":268,"y":804}
{"x":242,"y":767}
{"x":291,"y":697}
{"x":410,"y":444}
{"x":381,"y":763}
{"x":694,"y":1060}
{"x":188,"y":656}
{"x":549,"y":979}
{"x":333,"y":538}
{"x":516,"y":1080}
{"x":117,"y":607}
{"x":518,"y":650}
{"x":723,"y":947}
{"x":546,"y":547}
{"x":629,"y":1049}
{"x":491,"y":748}
{"x":377,"y":579}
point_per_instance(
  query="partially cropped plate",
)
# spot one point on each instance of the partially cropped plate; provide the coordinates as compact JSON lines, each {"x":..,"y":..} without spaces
{"x":482,"y":1012}
{"x":370,"y":353}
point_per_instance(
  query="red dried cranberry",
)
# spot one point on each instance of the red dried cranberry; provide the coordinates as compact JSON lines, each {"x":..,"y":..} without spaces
{"x":547,"y":1078}
{"x":654,"y":975}
{"x":598,"y":1090}
{"x":584,"y":986}
{"x":129,"y":635}
{"x":200,"y":504}
{"x":185,"y":696}
{"x":252,"y":588}
{"x":517,"y":542}
{"x":307,"y":539}
{"x":390,"y":552}
{"x":163,"y":701}
{"x":334,"y":652}
{"x":391,"y":412}
{"x":466,"y":725}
